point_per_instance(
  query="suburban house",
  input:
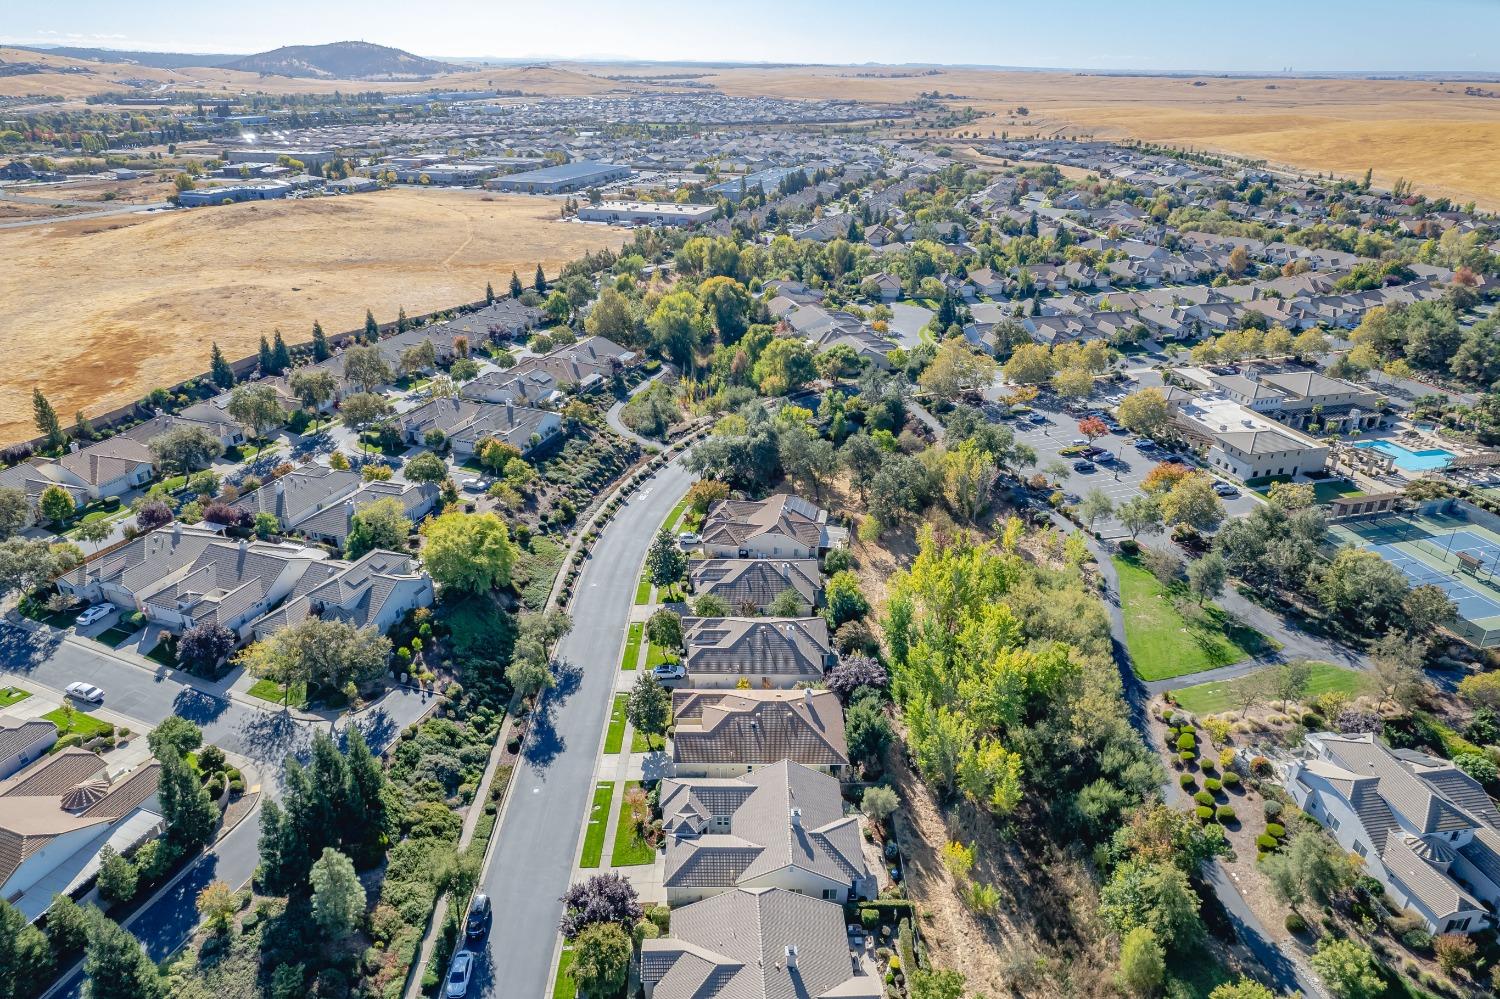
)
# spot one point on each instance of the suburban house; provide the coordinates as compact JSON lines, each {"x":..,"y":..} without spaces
{"x":1423,"y":828}
{"x":229,"y":584}
{"x":300,"y":494}
{"x":59,"y":813}
{"x":321,"y":502}
{"x":749,"y":585}
{"x":780,"y":526}
{"x":119,"y":575}
{"x":530,"y":387}
{"x":374,"y":591}
{"x":584,"y":366}
{"x":22,"y":741}
{"x":210,"y":419}
{"x":765,"y":652}
{"x":465,"y":423}
{"x":782,"y":826}
{"x":764,"y":943}
{"x":726,"y":733}
{"x":505,"y":318}
{"x":111,"y":467}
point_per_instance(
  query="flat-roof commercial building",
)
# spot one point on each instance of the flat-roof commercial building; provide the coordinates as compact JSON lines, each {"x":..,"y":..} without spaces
{"x":312,"y":159}
{"x":560,"y":179}
{"x":232,"y":194}
{"x":647,"y":213}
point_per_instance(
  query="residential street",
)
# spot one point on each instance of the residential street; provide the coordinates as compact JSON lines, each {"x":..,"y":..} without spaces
{"x":267,"y":736}
{"x":537,"y":838}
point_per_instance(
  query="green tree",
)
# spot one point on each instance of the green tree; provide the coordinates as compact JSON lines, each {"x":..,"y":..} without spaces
{"x":381,"y":524}
{"x":25,"y":958}
{"x":329,"y":652}
{"x":1347,"y":968}
{"x":539,"y":282}
{"x":931,"y":983}
{"x":784,"y":366}
{"x":1207,"y":576}
{"x":1361,"y":587}
{"x":787,"y":603}
{"x":15,"y":511}
{"x":664,"y":629}
{"x":845,"y":600}
{"x":47,"y":423}
{"x":363,"y":410}
{"x":727,"y":304}
{"x":338,"y":898}
{"x":665,"y":561}
{"x":468,"y":553}
{"x":649,"y":706}
{"x":188,"y":811}
{"x":867,"y":730}
{"x":1244,"y":988}
{"x":217,"y":903}
{"x":257,"y":407}
{"x":969,"y":474}
{"x":366,"y":369}
{"x":1312,"y":866}
{"x":956,"y":368}
{"x":115,"y":965}
{"x":1154,"y":895}
{"x":372,"y":328}
{"x":117,"y":877}
{"x":176,"y":732}
{"x":515,"y":285}
{"x":281,"y":358}
{"x":219,"y":369}
{"x":677,"y":327}
{"x":1029,"y":364}
{"x":313,"y":387}
{"x":56,"y":504}
{"x":878,"y":803}
{"x":185,"y":449}
{"x":1144,"y":412}
{"x":1095,"y":506}
{"x":1142,"y":963}
{"x":264,"y":361}
{"x":320,"y":351}
{"x":1193,"y":502}
{"x":425,"y":467}
{"x":601,"y":960}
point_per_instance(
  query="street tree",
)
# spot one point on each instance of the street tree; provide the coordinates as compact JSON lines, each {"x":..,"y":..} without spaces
{"x":257,"y":407}
{"x":1095,"y":506}
{"x":649,"y":707}
{"x":666,"y":561}
{"x":601,"y":960}
{"x":1140,"y":514}
{"x":115,"y":965}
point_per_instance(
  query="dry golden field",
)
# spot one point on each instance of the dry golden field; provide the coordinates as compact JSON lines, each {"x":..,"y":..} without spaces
{"x":100,"y":311}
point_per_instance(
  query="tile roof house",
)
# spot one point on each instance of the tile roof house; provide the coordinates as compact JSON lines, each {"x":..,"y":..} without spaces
{"x":749,"y":585}
{"x":765,"y":651}
{"x":22,"y":741}
{"x":724,"y":734}
{"x":583,"y":366}
{"x":780,"y":526}
{"x":1423,"y":828}
{"x":57,"y":814}
{"x":765,"y":943}
{"x":780,"y":826}
{"x":373,"y":591}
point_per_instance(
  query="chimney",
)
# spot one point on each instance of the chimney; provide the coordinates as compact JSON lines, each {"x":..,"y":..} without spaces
{"x":807,"y":696}
{"x":244,"y":545}
{"x":796,"y":818}
{"x":278,"y":487}
{"x":176,"y":530}
{"x":73,"y":447}
{"x":791,"y":956}
{"x":510,"y":411}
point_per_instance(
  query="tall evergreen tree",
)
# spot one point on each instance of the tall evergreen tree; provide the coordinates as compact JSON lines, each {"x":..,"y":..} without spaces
{"x":541,"y":279}
{"x":401,"y":319}
{"x":185,"y":805}
{"x":366,"y":800}
{"x":25,"y":958}
{"x":85,"y":426}
{"x":115,"y":964}
{"x":281,"y":358}
{"x":219,"y":369}
{"x":264,"y":359}
{"x":372,"y":328}
{"x":283,"y":856}
{"x":47,"y":423}
{"x":489,"y":293}
{"x":515,"y":285}
{"x":320,"y":342}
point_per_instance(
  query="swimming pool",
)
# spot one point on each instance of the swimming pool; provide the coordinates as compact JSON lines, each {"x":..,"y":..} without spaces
{"x":1412,"y":461}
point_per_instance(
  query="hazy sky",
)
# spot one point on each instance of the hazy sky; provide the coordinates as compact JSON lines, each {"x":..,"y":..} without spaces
{"x":1086,"y":34}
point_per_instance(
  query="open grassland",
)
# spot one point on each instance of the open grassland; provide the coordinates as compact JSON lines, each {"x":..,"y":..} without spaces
{"x":101,"y":311}
{"x":1430,"y":133}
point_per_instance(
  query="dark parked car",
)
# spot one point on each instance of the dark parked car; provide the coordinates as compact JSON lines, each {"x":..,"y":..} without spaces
{"x":478,"y":922}
{"x":1083,"y":466}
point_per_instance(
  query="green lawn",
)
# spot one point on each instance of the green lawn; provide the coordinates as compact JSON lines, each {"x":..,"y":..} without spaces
{"x":114,"y":637}
{"x":563,"y":986}
{"x":630,"y":850}
{"x":656,"y":655}
{"x":1211,"y":698}
{"x":1329,"y":490}
{"x":1163,"y":643}
{"x":85,"y":725}
{"x":615,"y":737}
{"x":632,"y":646}
{"x":270,"y":690}
{"x":11,"y":695}
{"x":593,"y":839}
{"x":643,"y":590}
{"x":638,"y":742}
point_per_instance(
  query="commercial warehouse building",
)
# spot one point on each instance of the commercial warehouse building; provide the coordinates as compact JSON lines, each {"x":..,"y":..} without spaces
{"x":561,"y":179}
{"x":647,"y":213}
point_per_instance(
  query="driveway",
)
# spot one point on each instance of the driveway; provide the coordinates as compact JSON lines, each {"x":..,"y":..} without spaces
{"x":539,"y":832}
{"x":907,"y":321}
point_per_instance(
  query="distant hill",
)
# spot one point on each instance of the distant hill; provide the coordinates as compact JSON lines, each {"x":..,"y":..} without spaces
{"x":339,"y":61}
{"x":156,"y":60}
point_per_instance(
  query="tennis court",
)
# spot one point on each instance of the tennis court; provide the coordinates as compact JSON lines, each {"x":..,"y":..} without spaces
{"x":1458,"y":557}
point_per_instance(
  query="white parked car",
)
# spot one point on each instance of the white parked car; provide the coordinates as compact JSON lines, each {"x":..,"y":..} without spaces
{"x":85,"y":692}
{"x":669,"y":671}
{"x":688,"y":539}
{"x":98,"y":612}
{"x":472,"y":485}
{"x":1225,"y":489}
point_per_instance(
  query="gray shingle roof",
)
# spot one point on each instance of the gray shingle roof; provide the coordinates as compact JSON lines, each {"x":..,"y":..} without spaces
{"x":300,"y":493}
{"x":335,"y":590}
{"x":794,"y":648}
{"x":763,"y":944}
{"x":756,"y":582}
{"x":737,"y":521}
{"x":756,"y":727}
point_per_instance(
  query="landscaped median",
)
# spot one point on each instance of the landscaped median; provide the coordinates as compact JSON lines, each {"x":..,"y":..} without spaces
{"x":1169,"y":634}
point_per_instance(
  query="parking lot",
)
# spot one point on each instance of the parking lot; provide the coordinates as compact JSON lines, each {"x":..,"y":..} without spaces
{"x":1119,"y":479}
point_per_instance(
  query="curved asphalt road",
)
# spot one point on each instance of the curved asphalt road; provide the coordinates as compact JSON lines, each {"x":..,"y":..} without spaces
{"x":537,"y":841}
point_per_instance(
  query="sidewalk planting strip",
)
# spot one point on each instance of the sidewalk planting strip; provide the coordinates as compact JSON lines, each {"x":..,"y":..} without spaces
{"x":632,"y":646}
{"x":629,"y":849}
{"x":593,"y":840}
{"x":615,"y":737}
